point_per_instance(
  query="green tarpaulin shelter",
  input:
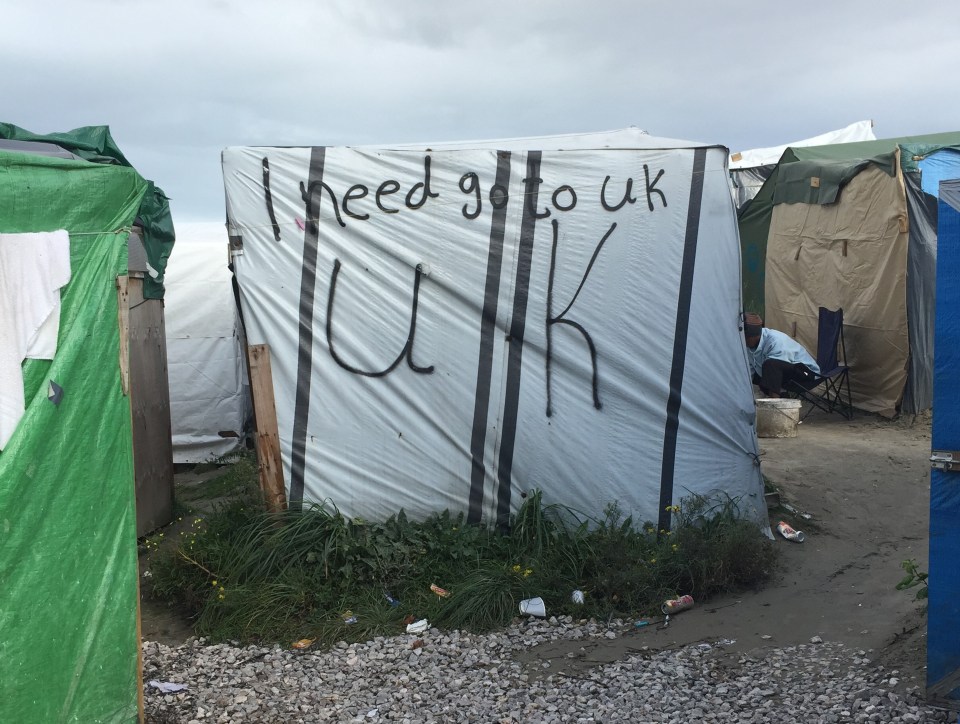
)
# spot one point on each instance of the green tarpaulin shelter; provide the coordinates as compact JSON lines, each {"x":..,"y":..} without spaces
{"x":95,"y":144}
{"x":68,"y":564}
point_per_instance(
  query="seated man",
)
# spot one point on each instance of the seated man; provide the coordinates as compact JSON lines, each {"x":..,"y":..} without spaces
{"x":776,"y":359}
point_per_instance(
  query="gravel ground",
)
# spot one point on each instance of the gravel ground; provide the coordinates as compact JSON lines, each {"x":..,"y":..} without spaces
{"x":457,"y":676}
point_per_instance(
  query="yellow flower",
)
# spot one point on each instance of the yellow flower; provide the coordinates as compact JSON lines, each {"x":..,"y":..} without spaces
{"x":221,"y":596}
{"x":675,"y":546}
{"x":527,"y":572}
{"x":516,"y":568}
{"x":653,"y":560}
{"x":214,"y":584}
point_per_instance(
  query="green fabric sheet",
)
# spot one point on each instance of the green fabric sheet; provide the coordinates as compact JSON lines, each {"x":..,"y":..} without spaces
{"x":68,"y":562}
{"x":95,"y":144}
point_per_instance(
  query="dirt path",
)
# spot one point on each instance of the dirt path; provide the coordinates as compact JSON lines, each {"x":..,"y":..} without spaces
{"x":160,"y":622}
{"x":866,"y":485}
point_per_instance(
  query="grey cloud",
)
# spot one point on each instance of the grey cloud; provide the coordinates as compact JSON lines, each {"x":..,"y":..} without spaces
{"x":178,"y":81}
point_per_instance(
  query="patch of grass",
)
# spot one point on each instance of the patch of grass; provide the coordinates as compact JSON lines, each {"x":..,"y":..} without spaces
{"x":239,"y":479}
{"x":242,"y":574}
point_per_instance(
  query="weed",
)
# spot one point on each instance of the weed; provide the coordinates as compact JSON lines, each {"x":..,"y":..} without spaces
{"x":240,"y":479}
{"x":914,"y":578}
{"x":242,"y":574}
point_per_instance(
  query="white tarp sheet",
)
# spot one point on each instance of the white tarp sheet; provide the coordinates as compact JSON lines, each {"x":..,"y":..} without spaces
{"x":859,"y":131}
{"x":749,"y":170}
{"x":209,"y":395}
{"x":452,"y":326}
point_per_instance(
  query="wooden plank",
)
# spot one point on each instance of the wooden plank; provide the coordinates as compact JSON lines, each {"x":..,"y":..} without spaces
{"x":123,"y":322}
{"x":265,"y":418}
{"x":123,"y":319}
{"x":150,"y":408}
{"x":141,"y":711}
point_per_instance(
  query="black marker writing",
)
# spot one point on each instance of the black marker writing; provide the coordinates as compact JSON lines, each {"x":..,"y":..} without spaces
{"x":470,"y":184}
{"x":357,"y":191}
{"x":651,"y":187}
{"x":406,"y":352}
{"x":313,"y":212}
{"x":531,"y":185}
{"x":425,"y":185}
{"x":390,"y":186}
{"x":269,"y":199}
{"x":627,"y":198}
{"x":561,"y":318}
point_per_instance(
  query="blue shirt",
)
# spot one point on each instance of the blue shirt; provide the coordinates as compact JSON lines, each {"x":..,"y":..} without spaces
{"x":777,"y":345}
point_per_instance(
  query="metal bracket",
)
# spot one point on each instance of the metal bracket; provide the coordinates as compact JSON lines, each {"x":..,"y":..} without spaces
{"x":236,"y":244}
{"x":946,"y":460}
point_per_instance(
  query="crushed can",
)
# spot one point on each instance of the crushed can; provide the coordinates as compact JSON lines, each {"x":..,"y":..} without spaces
{"x":675,"y":605}
{"x":789,"y":533}
{"x":442,"y":592}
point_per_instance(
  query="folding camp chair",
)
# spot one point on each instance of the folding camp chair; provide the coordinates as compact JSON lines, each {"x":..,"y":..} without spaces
{"x":830,"y":390}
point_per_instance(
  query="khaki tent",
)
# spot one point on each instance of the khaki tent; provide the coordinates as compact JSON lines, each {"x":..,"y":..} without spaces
{"x":853,"y":226}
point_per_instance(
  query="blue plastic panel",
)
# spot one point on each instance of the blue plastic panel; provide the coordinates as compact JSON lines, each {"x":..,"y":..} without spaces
{"x":943,"y":619}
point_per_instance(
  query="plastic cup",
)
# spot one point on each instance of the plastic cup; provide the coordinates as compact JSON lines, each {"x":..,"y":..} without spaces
{"x":533,"y":607}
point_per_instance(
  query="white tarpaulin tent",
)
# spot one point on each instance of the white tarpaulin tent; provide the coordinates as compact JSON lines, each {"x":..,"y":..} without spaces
{"x":453,"y":325}
{"x":209,"y":395}
{"x":750,"y":169}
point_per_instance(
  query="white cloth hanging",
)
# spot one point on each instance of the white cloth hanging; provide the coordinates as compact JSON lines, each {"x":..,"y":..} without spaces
{"x":33,"y":268}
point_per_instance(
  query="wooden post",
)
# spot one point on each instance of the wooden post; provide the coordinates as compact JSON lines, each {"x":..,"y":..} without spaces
{"x":141,"y":711}
{"x":123,"y":322}
{"x":265,"y":420}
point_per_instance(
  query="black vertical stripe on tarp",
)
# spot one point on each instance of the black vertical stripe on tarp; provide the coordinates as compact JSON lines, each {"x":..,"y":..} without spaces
{"x":308,"y":283}
{"x":521,"y":291}
{"x":680,"y":338}
{"x":268,"y":196}
{"x":488,"y":323}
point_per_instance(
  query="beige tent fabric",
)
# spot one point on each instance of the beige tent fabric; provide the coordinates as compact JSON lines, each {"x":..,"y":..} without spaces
{"x":852,"y":255}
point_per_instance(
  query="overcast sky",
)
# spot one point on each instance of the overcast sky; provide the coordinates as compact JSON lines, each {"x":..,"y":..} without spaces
{"x":179,"y":80}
